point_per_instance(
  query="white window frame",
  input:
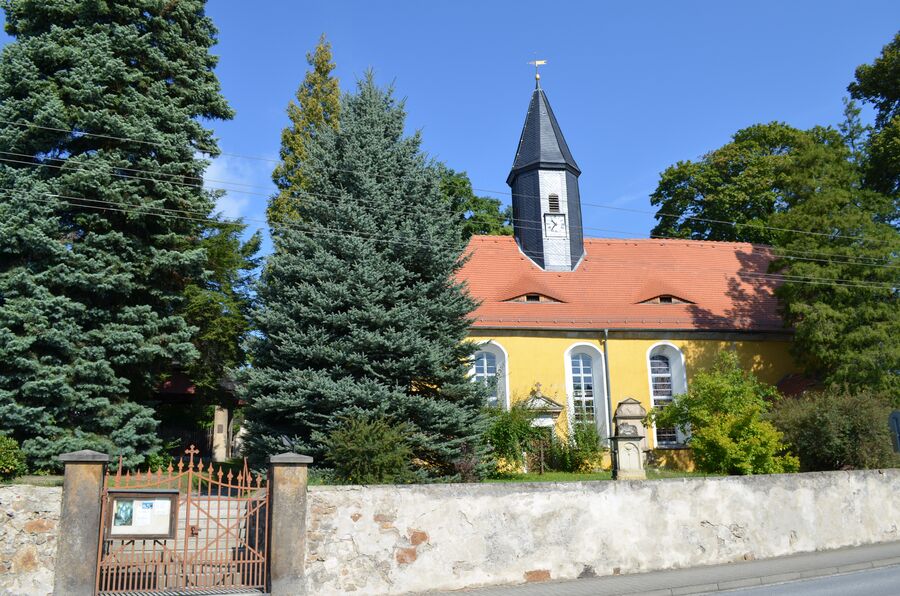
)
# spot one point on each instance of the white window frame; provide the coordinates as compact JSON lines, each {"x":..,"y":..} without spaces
{"x":502,"y":359}
{"x":598,"y":367}
{"x":679,"y":383}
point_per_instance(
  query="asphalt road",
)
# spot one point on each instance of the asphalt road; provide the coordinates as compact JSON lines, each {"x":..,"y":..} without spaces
{"x":869,"y":569}
{"x":873,"y":582}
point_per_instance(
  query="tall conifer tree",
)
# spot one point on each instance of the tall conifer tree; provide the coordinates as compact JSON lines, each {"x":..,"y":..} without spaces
{"x":318,"y":106}
{"x":100,"y":108}
{"x":359,"y":309}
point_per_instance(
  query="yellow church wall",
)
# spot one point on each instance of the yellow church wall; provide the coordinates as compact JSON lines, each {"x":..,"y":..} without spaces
{"x":539,"y":357}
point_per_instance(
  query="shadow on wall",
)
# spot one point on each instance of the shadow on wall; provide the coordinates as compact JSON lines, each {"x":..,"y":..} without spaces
{"x":754,"y":307}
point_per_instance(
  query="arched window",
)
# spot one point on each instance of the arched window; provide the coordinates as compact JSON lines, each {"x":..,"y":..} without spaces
{"x":586,"y":386}
{"x":667,"y":380}
{"x":489,"y":367}
{"x":583,"y":387}
{"x":661,"y":385}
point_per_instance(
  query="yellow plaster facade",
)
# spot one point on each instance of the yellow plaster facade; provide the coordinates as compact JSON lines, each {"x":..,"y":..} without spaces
{"x":541,"y":357}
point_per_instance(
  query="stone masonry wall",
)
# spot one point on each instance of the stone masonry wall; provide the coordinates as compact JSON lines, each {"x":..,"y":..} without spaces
{"x":29,"y":528}
{"x":397,"y":539}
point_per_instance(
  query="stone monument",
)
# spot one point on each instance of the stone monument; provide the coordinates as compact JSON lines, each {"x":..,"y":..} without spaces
{"x":628,"y":440}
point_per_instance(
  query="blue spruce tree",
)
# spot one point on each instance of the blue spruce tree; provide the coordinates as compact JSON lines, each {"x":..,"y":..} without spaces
{"x":100,"y":108}
{"x":359,"y":310}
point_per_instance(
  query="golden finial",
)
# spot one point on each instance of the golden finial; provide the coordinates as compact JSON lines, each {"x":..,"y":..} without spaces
{"x":537,"y":75}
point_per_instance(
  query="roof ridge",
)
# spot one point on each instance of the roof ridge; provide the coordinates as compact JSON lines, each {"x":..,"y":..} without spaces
{"x":678,"y":240}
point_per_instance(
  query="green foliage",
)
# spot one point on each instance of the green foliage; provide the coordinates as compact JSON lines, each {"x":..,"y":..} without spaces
{"x":838,"y":429}
{"x":581,"y":452}
{"x":585,"y":446}
{"x":842,"y":302}
{"x":93,"y":285}
{"x":879,"y":85}
{"x":723,"y":412}
{"x":370,"y":450}
{"x":481,"y":215}
{"x":745,"y":181}
{"x":371,"y":318}
{"x":510,"y":432}
{"x":162,"y":459}
{"x":317,"y":106}
{"x":12,"y":459}
{"x":830,"y":201}
{"x":217,"y":306}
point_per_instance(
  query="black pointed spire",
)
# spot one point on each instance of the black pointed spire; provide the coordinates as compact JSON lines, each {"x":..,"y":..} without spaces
{"x":542,"y":144}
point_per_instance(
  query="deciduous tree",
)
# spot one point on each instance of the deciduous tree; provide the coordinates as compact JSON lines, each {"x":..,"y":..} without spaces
{"x":731,"y":193}
{"x":723,"y":412}
{"x":480,"y":215}
{"x":879,"y":85}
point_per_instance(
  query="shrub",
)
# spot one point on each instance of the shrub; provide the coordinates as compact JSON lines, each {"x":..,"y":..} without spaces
{"x":509,"y":434}
{"x":12,"y":460}
{"x":467,"y":464}
{"x":587,"y":453}
{"x":723,"y":412}
{"x":369,"y":450}
{"x":162,"y":458}
{"x":581,"y":453}
{"x":838,"y":429}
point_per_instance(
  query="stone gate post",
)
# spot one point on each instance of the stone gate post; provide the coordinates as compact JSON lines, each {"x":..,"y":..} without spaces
{"x":79,"y":523}
{"x":287,"y":523}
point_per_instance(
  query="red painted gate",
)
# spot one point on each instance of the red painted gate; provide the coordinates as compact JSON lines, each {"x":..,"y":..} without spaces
{"x":213,"y":541}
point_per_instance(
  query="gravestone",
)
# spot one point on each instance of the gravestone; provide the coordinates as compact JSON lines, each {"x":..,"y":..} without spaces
{"x":628,"y":439}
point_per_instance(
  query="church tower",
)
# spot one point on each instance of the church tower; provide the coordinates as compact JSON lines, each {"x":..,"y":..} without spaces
{"x":545,"y":200}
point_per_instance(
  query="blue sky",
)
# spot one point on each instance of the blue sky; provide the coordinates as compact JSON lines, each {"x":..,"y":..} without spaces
{"x":636,"y":86}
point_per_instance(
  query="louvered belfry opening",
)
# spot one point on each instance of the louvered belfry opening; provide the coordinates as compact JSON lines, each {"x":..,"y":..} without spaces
{"x":554,"y":203}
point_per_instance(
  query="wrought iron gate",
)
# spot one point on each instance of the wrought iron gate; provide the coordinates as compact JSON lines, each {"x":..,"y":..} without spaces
{"x":218,"y":536}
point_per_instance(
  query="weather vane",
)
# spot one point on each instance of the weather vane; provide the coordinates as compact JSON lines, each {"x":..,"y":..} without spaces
{"x":537,"y":64}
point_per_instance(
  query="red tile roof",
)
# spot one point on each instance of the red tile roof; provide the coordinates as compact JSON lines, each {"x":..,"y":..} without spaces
{"x":719,"y":279}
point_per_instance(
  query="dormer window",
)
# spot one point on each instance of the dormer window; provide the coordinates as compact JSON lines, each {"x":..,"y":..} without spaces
{"x":666,"y":299}
{"x":554,"y":203}
{"x":534,"y":298}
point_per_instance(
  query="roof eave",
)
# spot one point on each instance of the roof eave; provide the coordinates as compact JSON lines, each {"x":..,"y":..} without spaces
{"x":541,"y":165}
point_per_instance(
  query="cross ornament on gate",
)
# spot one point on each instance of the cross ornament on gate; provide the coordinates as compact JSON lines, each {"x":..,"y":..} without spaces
{"x":191,"y":452}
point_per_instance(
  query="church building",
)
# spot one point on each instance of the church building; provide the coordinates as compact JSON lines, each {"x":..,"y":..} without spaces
{"x":576,"y":325}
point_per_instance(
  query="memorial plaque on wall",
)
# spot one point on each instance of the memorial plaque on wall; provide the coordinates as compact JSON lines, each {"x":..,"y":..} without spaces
{"x":142,"y":514}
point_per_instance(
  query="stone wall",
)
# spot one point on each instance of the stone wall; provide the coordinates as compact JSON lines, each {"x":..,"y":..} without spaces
{"x":391,"y":540}
{"x":398,"y":539}
{"x":29,"y":531}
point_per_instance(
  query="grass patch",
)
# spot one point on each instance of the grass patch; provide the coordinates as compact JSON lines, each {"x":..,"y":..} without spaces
{"x":652,"y":474}
{"x":36,"y":480}
{"x":553,"y":477}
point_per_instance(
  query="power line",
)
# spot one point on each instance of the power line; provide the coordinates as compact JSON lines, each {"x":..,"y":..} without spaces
{"x":531,"y":227}
{"x":717,"y":221}
{"x":535,"y":225}
{"x":82,"y":133}
{"x":598,"y":205}
{"x":166,"y":212}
